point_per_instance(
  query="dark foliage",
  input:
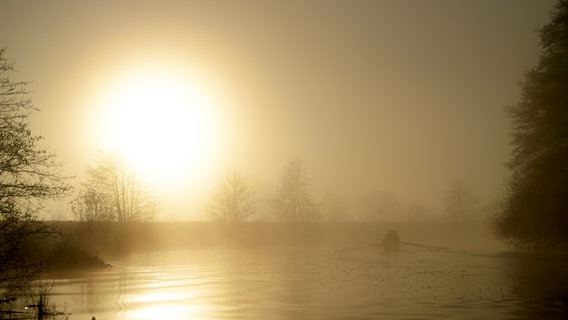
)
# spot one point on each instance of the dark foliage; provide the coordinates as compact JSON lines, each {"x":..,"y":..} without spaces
{"x":29,"y":175}
{"x":535,"y":208}
{"x":67,"y":256}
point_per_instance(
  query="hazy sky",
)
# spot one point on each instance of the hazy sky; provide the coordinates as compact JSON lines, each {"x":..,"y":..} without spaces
{"x":401,"y":97}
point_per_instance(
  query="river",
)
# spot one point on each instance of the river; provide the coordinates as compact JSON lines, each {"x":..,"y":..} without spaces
{"x":317,"y":283}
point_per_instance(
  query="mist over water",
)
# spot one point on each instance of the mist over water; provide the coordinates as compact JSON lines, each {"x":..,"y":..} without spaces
{"x":472,"y":279}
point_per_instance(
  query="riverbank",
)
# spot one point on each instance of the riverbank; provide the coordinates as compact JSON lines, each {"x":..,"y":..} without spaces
{"x":112,"y":238}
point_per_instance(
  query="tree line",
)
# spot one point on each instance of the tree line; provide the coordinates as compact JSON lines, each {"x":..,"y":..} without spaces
{"x":113,"y":192}
{"x":233,"y":201}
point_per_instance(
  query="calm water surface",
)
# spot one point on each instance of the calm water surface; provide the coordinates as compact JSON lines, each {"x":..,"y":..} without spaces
{"x":320,"y":284}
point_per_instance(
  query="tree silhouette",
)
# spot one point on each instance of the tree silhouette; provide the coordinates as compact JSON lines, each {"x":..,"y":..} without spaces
{"x":113,"y":192}
{"x":460,"y":202}
{"x":534,"y":210}
{"x":293,"y":201}
{"x":29,"y":175}
{"x":92,"y":205}
{"x":232,"y":201}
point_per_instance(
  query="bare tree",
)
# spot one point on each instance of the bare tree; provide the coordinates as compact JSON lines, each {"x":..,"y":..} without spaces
{"x":293,"y":201}
{"x":29,"y":175}
{"x":460,"y":202}
{"x":92,"y":205}
{"x":232,"y":201}
{"x":113,"y":192}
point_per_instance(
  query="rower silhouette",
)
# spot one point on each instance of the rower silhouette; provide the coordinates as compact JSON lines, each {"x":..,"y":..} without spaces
{"x":391,"y":242}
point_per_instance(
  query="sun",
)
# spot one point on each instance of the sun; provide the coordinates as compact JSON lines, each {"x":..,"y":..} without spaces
{"x":162,"y":123}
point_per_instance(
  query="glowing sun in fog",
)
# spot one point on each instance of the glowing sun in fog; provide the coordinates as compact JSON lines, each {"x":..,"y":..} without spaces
{"x":161,"y":123}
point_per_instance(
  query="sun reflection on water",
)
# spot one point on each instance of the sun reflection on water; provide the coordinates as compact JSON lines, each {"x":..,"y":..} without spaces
{"x":173,"y":299}
{"x":165,"y":305}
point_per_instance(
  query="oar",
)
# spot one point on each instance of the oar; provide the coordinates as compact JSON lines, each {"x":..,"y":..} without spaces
{"x":423,"y":246}
{"x":357,"y":248}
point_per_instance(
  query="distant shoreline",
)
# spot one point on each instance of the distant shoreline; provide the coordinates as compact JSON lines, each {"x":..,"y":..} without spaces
{"x":109,"y":239}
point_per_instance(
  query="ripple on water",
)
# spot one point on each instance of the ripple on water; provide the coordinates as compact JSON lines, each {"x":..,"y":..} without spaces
{"x":359,"y":285}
